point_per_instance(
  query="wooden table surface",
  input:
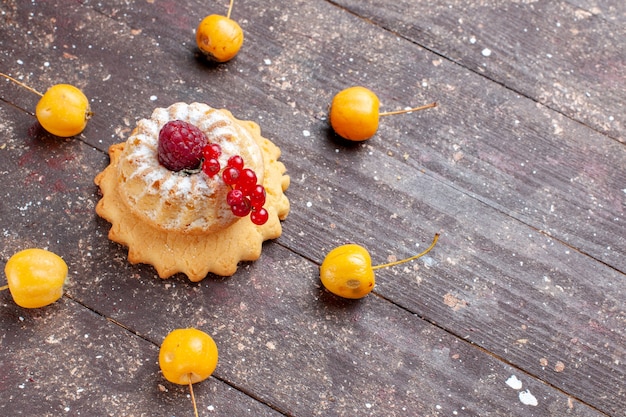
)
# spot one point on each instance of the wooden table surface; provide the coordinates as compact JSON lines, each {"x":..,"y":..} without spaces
{"x":518,"y":311}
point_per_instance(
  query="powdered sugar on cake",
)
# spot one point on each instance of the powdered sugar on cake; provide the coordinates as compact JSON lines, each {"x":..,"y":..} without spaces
{"x":179,"y":201}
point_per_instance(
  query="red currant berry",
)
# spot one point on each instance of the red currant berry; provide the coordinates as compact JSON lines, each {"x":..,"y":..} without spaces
{"x":235,"y":162}
{"x":231,"y":175}
{"x":180,"y":145}
{"x":259,"y":217}
{"x":234,"y":197}
{"x":241,"y":210}
{"x":212,"y":151}
{"x":247,"y":181}
{"x":211,"y":167}
{"x":257,"y":196}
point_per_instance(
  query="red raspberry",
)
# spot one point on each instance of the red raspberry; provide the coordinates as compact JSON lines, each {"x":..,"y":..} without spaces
{"x":180,"y":146}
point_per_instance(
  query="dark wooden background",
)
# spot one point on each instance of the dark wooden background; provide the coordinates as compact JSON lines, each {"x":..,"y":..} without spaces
{"x":521,"y":167}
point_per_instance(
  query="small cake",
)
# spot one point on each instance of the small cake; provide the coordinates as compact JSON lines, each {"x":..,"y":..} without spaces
{"x":185,"y":220}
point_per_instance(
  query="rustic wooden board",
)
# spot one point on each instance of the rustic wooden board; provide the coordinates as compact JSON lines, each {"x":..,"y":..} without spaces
{"x":282,"y":339}
{"x":307,"y":353}
{"x":549,"y":51}
{"x":538,"y":155}
{"x":66,"y":360}
{"x":528,"y":276}
{"x":613,"y":10}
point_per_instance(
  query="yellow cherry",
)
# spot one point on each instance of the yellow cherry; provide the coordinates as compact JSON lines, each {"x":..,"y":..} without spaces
{"x":347,"y":270}
{"x":63,"y":110}
{"x":219,"y":37}
{"x":354,"y":113}
{"x":187,"y":356}
{"x":35,"y":277}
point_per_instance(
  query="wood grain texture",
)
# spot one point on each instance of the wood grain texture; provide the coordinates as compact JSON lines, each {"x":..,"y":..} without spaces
{"x":612,"y":10}
{"x":66,"y":360}
{"x":546,"y":50}
{"x":527,"y":190}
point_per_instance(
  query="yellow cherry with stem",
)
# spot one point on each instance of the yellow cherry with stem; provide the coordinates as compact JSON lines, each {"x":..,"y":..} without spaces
{"x":188,"y":356}
{"x":35,"y":277}
{"x":354,"y":113}
{"x":347,"y":270}
{"x":63,"y":110}
{"x":219,"y":37}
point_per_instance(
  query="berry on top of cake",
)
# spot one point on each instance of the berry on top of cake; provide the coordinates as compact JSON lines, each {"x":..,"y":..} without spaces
{"x":194,"y":190}
{"x":180,"y":146}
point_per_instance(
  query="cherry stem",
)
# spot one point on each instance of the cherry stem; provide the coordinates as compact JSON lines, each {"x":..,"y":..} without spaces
{"x":230,"y":8}
{"x":419,"y":255}
{"x":424,"y":107}
{"x":4,"y":287}
{"x":21,"y":84}
{"x":193,"y":398}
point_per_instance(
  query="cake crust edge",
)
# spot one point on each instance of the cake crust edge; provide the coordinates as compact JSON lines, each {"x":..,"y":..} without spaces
{"x":196,"y":255}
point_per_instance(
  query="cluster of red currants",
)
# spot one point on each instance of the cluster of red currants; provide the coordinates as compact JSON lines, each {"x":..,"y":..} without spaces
{"x":184,"y":147}
{"x":245,"y":196}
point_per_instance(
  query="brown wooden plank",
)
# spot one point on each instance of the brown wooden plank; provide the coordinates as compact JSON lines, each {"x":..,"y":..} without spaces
{"x":613,"y":10}
{"x":538,"y":156}
{"x":66,"y":360}
{"x":307,"y":353}
{"x":281,"y":338}
{"x":550,"y":51}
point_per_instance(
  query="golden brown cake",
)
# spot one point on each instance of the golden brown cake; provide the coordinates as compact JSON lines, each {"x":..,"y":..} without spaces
{"x":180,"y":221}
